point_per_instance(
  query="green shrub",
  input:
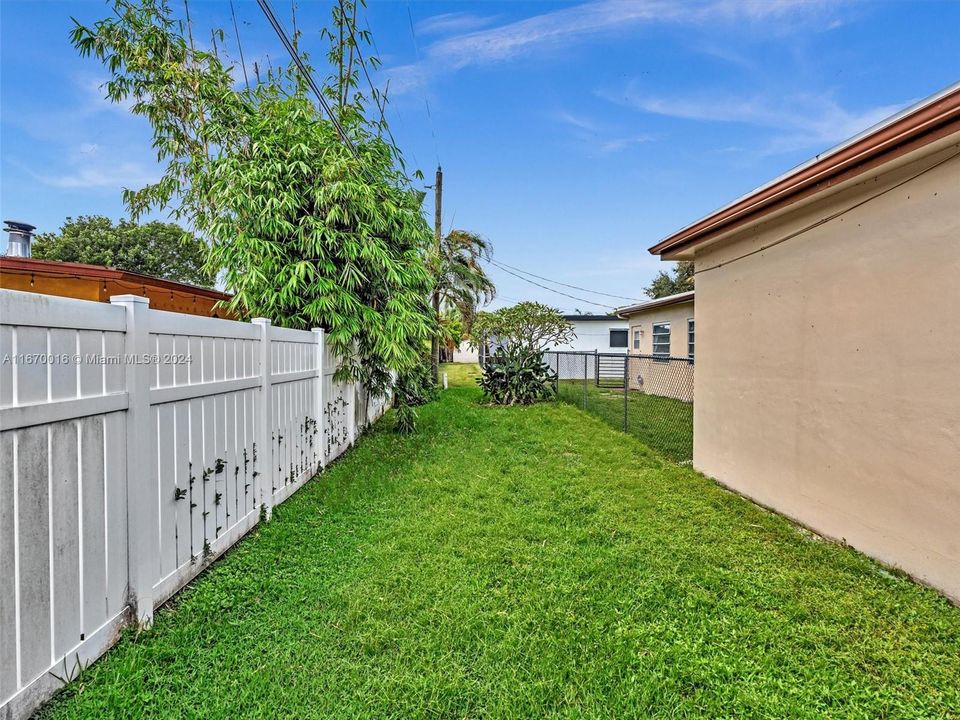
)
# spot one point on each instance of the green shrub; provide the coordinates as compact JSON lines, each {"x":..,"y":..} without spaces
{"x":406,"y":419}
{"x":517,"y":378}
{"x":414,"y":387}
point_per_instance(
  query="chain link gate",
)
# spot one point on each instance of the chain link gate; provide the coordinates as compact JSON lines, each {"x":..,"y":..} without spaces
{"x":647,"y":396}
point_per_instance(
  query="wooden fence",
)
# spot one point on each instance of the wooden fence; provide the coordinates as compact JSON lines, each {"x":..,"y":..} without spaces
{"x":135,"y":447}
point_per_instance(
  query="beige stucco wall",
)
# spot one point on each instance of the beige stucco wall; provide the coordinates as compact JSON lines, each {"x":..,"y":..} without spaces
{"x":828,"y":366}
{"x":677,"y":315}
{"x":670,"y":379}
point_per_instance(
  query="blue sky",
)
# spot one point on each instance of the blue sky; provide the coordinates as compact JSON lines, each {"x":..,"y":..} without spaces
{"x":572,"y":135}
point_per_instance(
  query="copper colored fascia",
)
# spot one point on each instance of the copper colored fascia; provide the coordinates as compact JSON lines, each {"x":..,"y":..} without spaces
{"x":932,"y":122}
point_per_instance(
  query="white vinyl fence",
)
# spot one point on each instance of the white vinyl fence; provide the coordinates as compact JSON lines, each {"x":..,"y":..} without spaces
{"x":135,"y":447}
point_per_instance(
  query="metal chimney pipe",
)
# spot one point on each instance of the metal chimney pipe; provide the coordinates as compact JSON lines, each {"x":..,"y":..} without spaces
{"x":21,"y":235}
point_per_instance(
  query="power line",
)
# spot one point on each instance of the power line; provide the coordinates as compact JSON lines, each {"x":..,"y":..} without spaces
{"x":558,"y":292}
{"x":376,"y":49}
{"x":426,"y":102}
{"x":502,"y":266}
{"x":236,"y":31}
{"x":381,"y":106}
{"x":825,"y":220}
{"x":281,"y":33}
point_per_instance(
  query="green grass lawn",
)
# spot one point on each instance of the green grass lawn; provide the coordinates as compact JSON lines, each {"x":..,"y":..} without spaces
{"x":526,"y":563}
{"x":662,"y":423}
{"x":461,"y":374}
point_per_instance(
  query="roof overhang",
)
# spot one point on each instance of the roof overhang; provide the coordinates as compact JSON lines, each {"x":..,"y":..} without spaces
{"x":590,"y":318}
{"x":57,"y":268}
{"x":683,"y":297}
{"x":926,"y":122}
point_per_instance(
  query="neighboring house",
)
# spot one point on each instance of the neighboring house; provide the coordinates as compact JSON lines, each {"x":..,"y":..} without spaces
{"x":662,"y":333}
{"x":594,"y":336}
{"x":827,"y":354}
{"x":663,"y":327}
{"x":465,"y":353}
{"x":98,"y":283}
{"x":596,"y":333}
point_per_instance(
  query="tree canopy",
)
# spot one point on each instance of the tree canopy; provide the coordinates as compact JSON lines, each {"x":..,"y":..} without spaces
{"x":163,"y":250}
{"x":524,"y":328}
{"x":462,"y":281}
{"x":306,"y":229}
{"x":680,"y":279}
{"x":451,"y":327}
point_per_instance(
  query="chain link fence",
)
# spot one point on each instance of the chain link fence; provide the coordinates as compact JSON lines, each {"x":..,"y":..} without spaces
{"x":649,"y":397}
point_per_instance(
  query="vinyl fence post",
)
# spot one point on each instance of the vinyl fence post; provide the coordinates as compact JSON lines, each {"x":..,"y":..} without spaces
{"x":352,"y":415}
{"x":626,"y":381}
{"x":143,"y":542}
{"x":263,"y":487}
{"x":321,"y":423}
{"x":584,"y":356}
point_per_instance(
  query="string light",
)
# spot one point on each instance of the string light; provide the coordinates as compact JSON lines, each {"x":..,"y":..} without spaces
{"x":105,"y":289}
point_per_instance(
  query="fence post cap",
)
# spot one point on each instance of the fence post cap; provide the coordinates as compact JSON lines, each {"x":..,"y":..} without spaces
{"x":115,"y":299}
{"x":262,"y":321}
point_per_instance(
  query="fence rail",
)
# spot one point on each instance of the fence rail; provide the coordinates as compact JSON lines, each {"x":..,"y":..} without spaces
{"x":137,"y":446}
{"x":648,"y":396}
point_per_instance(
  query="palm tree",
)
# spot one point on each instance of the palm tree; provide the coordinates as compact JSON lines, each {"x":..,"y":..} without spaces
{"x":461,"y":281}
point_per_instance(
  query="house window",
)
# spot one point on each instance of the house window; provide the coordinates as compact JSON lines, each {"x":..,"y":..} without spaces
{"x":690,"y":339}
{"x":618,"y":338}
{"x":661,"y":339}
{"x":636,"y":338}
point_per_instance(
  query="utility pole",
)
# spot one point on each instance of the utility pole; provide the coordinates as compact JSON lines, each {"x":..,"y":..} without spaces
{"x":437,"y":236}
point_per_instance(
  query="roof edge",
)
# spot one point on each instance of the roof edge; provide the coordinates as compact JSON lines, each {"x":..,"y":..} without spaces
{"x":676,"y":299}
{"x":71,"y":269}
{"x":910,"y":129}
{"x":591,"y":318}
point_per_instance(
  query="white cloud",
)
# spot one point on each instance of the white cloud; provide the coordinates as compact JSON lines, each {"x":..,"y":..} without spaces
{"x":801,"y":119}
{"x":577,"y":121}
{"x":453,"y":23}
{"x":113,"y":176}
{"x":560,"y":28}
{"x":94,"y":91}
{"x":599,"y":136}
{"x":405,"y":78}
{"x":622,"y":143}
{"x":555,"y":27}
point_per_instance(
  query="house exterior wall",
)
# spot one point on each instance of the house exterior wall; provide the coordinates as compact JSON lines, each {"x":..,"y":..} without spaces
{"x":673,"y":378}
{"x":593,"y":335}
{"x":464,"y":353}
{"x":677,"y":315}
{"x":828,"y":381}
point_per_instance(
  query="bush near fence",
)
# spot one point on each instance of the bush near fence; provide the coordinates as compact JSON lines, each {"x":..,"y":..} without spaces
{"x":648,"y":397}
{"x":138,"y":445}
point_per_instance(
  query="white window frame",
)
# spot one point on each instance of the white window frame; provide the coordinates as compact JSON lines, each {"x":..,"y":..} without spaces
{"x":661,"y":355}
{"x":636,"y":337}
{"x":691,"y":338}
